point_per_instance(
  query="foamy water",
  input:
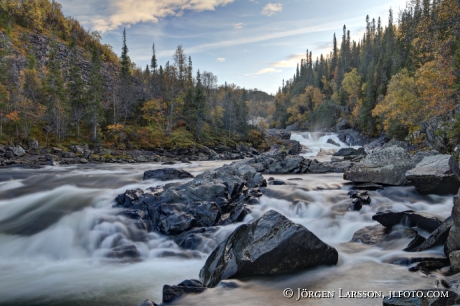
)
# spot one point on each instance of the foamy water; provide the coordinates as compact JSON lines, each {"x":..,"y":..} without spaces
{"x":57,"y":226}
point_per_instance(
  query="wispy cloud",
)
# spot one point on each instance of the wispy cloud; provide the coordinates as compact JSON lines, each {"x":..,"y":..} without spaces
{"x":238,"y":25}
{"x":263,"y":71}
{"x":108,"y":15}
{"x":259,"y":38}
{"x":272,"y":8}
{"x":291,"y":61}
{"x":221,"y":59}
{"x":268,"y":70}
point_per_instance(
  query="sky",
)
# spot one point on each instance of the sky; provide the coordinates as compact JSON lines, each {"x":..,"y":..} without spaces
{"x":251,"y":43}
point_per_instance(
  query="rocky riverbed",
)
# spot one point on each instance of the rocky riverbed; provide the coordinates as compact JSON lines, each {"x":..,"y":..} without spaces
{"x":228,"y":232}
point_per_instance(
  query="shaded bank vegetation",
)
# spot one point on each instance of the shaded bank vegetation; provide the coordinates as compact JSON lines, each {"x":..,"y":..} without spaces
{"x":393,"y":79}
{"x":59,"y":84}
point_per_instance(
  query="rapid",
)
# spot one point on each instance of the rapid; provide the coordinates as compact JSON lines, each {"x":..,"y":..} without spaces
{"x":57,"y":226}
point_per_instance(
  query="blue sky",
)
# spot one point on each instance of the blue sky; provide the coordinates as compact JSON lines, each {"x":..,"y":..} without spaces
{"x":252,"y":43}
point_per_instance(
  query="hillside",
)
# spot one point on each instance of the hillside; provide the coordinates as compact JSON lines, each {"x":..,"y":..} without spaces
{"x":60,"y":85}
{"x":397,"y":79}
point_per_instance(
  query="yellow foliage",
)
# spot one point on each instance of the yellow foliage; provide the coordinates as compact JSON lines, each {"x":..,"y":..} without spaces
{"x":413,"y":99}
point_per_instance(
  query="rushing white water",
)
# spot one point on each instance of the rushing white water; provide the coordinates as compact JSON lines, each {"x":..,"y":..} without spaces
{"x":316,"y":141}
{"x":57,"y":225}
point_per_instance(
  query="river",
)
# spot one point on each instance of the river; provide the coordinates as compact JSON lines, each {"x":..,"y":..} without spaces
{"x":57,"y":224}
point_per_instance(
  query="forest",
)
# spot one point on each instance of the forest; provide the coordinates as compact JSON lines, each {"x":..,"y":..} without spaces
{"x":393,"y":80}
{"x":79,"y":91}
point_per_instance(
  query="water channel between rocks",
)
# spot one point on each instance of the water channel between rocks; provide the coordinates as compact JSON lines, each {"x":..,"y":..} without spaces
{"x":57,"y":223}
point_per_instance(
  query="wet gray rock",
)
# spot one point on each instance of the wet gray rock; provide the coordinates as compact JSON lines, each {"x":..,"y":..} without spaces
{"x":437,"y":174}
{"x":293,"y":147}
{"x":453,"y":240}
{"x":166,"y":174}
{"x":346,"y":152}
{"x":437,"y":237}
{"x":352,"y":137}
{"x":332,"y":142}
{"x":217,"y":197}
{"x":197,"y":239}
{"x":272,"y":244}
{"x":379,"y":235}
{"x":147,"y":303}
{"x":408,"y":218}
{"x":415,"y":243}
{"x":454,"y":258}
{"x":170,"y":293}
{"x":421,"y":220}
{"x":124,"y":251}
{"x":387,"y":166}
{"x":388,"y":218}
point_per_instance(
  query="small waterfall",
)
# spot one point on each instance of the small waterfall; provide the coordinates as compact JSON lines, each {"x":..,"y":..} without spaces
{"x":316,"y":141}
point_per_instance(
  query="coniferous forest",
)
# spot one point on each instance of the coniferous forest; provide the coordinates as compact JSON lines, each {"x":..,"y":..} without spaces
{"x":60,"y":85}
{"x":394,"y":79}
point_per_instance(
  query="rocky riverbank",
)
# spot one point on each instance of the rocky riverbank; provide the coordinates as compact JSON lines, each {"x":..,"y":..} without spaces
{"x":34,"y":155}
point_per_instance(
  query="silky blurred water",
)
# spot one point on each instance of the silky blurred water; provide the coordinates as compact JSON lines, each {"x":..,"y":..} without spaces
{"x":57,"y":225}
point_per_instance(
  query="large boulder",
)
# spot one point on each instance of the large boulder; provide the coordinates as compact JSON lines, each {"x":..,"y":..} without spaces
{"x":213,"y":198}
{"x":437,"y":174}
{"x":166,"y":174}
{"x":271,"y":245}
{"x":387,"y":166}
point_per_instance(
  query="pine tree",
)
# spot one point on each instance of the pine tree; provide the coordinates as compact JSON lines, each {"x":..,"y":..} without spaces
{"x":125,"y":62}
{"x":153,"y":62}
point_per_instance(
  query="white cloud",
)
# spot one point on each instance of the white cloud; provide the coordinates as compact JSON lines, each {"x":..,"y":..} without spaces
{"x":106,"y":15}
{"x":238,"y":25}
{"x":258,"y":38}
{"x":268,"y":70}
{"x":221,"y":59}
{"x":263,"y":71}
{"x":272,"y":8}
{"x":291,"y":61}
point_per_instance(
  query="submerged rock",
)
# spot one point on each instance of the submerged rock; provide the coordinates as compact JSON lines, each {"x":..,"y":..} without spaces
{"x":437,"y":174}
{"x":378,"y":235}
{"x":171,"y":293}
{"x":166,"y":174}
{"x":387,"y":166}
{"x":272,"y":244}
{"x":147,"y":303}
